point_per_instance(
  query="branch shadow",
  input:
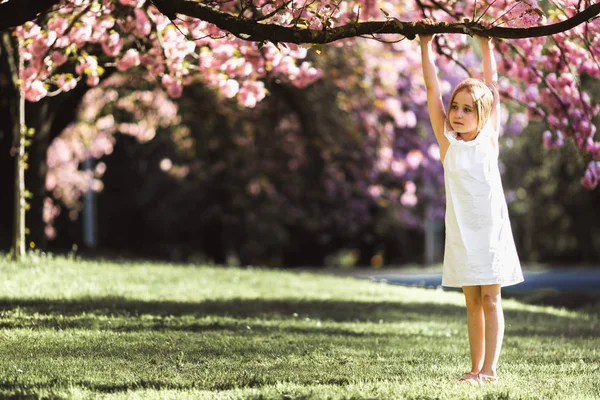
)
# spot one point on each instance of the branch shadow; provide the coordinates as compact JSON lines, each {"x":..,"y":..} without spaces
{"x":83,"y":313}
{"x":338,"y":311}
{"x":141,"y":316}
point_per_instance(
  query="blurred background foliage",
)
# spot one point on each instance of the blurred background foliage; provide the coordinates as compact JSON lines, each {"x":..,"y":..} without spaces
{"x":290,"y":183}
{"x":554,"y":219}
{"x":282,"y":184}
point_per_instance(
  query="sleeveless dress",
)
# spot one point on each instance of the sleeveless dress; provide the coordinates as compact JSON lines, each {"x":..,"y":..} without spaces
{"x":479,"y":248}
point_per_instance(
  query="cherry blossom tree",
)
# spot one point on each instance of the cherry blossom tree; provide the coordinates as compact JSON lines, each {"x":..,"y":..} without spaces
{"x":236,"y":46}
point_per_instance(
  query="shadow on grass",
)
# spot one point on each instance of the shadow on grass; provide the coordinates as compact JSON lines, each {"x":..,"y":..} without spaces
{"x":586,"y":302}
{"x":28,"y":390}
{"x":338,"y":311}
{"x":83,"y":313}
{"x":60,"y":390}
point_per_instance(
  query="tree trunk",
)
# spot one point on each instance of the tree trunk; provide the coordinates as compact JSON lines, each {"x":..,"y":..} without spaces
{"x":20,"y":201}
{"x":48,"y":118}
{"x":18,"y":149}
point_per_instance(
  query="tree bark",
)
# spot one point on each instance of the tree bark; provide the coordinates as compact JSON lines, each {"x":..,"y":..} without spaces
{"x":48,"y":117}
{"x":253,"y":30}
{"x":20,"y":200}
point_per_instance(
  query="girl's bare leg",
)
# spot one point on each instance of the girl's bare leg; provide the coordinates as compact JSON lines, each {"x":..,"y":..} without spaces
{"x":494,"y":327}
{"x":476,"y":326}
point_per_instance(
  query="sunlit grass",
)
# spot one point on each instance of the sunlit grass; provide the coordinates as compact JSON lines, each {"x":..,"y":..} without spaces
{"x":93,"y":329}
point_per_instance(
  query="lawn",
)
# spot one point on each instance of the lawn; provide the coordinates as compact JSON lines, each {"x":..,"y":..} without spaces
{"x":98,"y":329}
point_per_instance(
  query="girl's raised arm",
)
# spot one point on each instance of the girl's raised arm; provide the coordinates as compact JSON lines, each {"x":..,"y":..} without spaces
{"x":490,"y":76}
{"x":437,"y":113}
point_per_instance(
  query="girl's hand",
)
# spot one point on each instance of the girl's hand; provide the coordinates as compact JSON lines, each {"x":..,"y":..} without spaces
{"x":425,"y":38}
{"x":485,"y":40}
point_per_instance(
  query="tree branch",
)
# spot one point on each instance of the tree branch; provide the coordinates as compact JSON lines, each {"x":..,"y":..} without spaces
{"x":251,"y":30}
{"x":17,"y":12}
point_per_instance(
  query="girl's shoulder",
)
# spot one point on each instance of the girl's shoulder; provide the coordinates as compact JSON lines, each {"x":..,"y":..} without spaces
{"x":488,"y":129}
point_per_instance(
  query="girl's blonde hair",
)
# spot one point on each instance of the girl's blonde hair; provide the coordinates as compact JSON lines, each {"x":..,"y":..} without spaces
{"x":484,"y":98}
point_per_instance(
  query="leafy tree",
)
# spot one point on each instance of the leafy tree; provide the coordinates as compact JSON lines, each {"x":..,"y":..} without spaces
{"x":553,"y":219}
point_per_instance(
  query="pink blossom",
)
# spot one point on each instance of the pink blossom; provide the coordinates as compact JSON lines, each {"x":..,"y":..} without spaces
{"x":434,"y":151}
{"x":590,"y":178}
{"x":130,"y":59}
{"x":524,"y":14}
{"x":112,"y":44}
{"x":49,"y":232}
{"x":100,"y":169}
{"x":86,"y":65}
{"x":58,"y":25}
{"x":133,"y":3}
{"x":66,"y":83}
{"x":408,"y":199}
{"x":398,"y":167}
{"x":142,"y":23}
{"x":267,"y":9}
{"x":553,"y":120}
{"x":251,"y":93}
{"x":28,"y":74}
{"x":106,"y":123}
{"x":166,"y":164}
{"x":253,"y":188}
{"x":29,"y":30}
{"x":282,"y":18}
{"x":50,"y":211}
{"x":315,"y":23}
{"x":230,"y":88}
{"x":414,"y":158}
{"x":375,"y":190}
{"x":96,"y":185}
{"x":532,"y":93}
{"x":306,"y":75}
{"x":40,"y":45}
{"x":559,"y":139}
{"x":223,"y":52}
{"x":58,"y":58}
{"x":93,"y":80}
{"x":80,"y":35}
{"x":141,"y":130}
{"x":548,"y":139}
{"x":550,"y":142}
{"x":173,"y":85}
{"x":35,"y":91}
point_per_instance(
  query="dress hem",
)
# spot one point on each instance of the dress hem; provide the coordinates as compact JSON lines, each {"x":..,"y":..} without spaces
{"x":502,"y":284}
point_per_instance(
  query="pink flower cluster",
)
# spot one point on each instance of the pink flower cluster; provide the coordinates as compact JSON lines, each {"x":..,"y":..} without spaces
{"x":523,"y":14}
{"x":592,"y":175}
{"x":141,"y":37}
{"x":93,"y":136}
{"x":546,"y":76}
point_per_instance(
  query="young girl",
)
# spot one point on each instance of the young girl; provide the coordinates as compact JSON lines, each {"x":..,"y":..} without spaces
{"x":480,"y":254}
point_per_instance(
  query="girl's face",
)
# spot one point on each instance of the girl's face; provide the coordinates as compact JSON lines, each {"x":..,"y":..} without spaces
{"x":463,"y":115}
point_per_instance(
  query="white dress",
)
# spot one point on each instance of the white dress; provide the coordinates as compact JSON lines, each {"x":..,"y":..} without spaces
{"x":479,"y":249}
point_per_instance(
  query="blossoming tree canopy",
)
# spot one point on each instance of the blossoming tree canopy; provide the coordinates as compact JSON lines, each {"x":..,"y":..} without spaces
{"x":233,"y":46}
{"x":132,"y":34}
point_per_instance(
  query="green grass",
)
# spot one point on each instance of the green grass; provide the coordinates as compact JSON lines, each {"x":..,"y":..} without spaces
{"x":85,"y":329}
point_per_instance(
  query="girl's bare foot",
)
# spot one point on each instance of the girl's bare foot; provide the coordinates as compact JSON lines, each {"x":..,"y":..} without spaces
{"x":469,"y":377}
